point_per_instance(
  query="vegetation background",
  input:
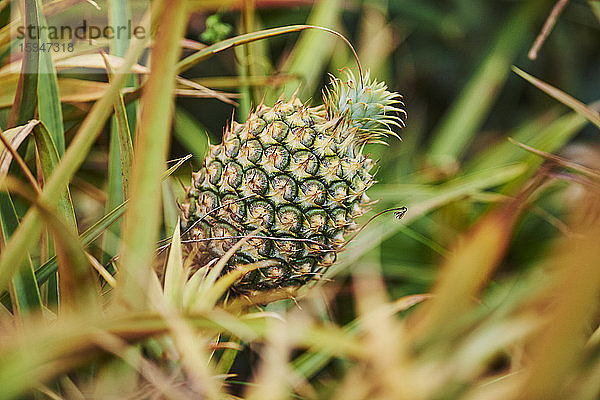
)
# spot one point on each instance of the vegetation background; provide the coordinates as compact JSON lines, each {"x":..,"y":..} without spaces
{"x":487,"y":288}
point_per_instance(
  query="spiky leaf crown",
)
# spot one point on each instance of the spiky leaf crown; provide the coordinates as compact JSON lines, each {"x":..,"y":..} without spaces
{"x":366,"y":105}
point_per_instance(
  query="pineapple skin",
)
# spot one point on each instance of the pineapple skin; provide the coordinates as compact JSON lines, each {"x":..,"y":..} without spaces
{"x":294,"y":173}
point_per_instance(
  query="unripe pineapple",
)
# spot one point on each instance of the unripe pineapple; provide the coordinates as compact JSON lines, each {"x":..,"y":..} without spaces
{"x":297,"y":174}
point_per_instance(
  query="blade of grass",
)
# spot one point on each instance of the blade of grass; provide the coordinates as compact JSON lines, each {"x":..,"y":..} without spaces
{"x":248,"y":55}
{"x":210,"y":51}
{"x":174,"y":272}
{"x":49,"y":158}
{"x":14,"y":136}
{"x":50,"y":113}
{"x":25,"y":102}
{"x":170,"y":208}
{"x":234,"y":82}
{"x":122,"y":124}
{"x":49,"y":106}
{"x":455,"y":132}
{"x":75,"y":283}
{"x":142,"y":220}
{"x":589,"y":172}
{"x":26,"y":293}
{"x":577,"y":106}
{"x":123,"y":134}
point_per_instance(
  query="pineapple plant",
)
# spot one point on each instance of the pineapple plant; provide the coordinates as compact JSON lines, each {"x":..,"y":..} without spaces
{"x":293,"y":178}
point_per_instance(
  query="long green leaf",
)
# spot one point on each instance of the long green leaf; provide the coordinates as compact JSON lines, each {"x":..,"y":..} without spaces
{"x":49,"y":106}
{"x":123,"y":134}
{"x":174,"y":272}
{"x":25,"y":102}
{"x":564,"y":162}
{"x":210,"y":51}
{"x":142,"y":220}
{"x":76,"y":283}
{"x":120,"y":147}
{"x":49,"y":158}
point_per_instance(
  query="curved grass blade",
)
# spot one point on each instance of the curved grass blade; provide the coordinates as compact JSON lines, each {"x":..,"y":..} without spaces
{"x":174,"y":271}
{"x":49,"y":158}
{"x":589,"y":172}
{"x":14,"y":137}
{"x":25,"y":290}
{"x":123,"y":134}
{"x":210,"y":51}
{"x":142,"y":220}
{"x":119,"y":162}
{"x":577,"y":106}
{"x":75,"y":283}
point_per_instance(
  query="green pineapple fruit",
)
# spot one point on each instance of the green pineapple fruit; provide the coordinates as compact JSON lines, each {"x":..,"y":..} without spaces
{"x":295,"y":173}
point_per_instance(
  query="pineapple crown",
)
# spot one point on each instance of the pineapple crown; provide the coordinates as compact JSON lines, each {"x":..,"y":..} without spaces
{"x":366,"y":105}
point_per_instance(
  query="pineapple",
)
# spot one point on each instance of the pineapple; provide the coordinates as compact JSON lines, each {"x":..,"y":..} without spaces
{"x":295,"y":177}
